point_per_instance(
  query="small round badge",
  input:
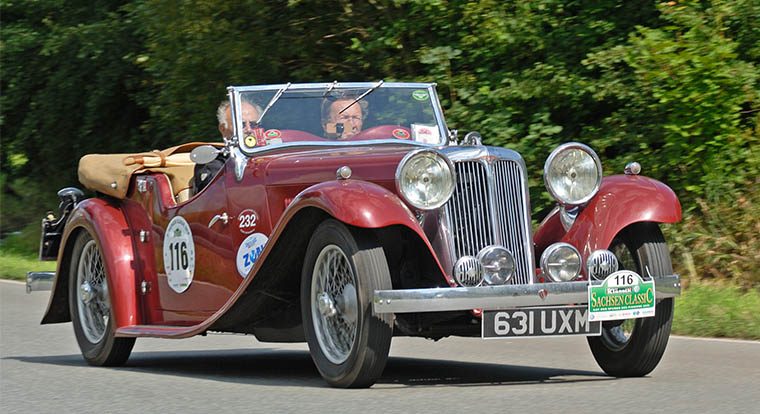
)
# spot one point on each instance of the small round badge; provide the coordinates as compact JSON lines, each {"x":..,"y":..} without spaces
{"x":420,"y":95}
{"x":272,"y":133}
{"x":399,"y":133}
{"x":250,"y":141}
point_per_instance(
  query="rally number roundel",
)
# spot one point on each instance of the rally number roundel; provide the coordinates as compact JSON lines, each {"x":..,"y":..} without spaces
{"x":179,"y":254}
{"x":247,"y":220}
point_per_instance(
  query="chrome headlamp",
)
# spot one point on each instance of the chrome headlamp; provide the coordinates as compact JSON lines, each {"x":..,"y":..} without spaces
{"x":573,"y":174}
{"x":425,"y":179}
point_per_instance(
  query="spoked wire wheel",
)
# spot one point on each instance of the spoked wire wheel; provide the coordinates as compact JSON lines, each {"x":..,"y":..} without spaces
{"x":334,"y":304}
{"x":343,"y":266}
{"x":90,"y":305}
{"x":92,"y":293}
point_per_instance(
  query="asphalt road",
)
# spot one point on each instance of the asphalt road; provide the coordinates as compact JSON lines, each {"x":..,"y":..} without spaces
{"x":41,"y":370}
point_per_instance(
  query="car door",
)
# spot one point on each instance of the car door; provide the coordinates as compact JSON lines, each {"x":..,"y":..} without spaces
{"x":195,"y":256}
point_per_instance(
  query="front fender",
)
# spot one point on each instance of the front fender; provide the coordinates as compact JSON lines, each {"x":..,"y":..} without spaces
{"x":358,"y":203}
{"x":622,"y":200}
{"x":105,"y":221}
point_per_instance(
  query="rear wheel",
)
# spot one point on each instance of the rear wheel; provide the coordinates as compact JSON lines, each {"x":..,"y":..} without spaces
{"x":343,"y":267}
{"x":90,"y":306}
{"x":634,"y":347}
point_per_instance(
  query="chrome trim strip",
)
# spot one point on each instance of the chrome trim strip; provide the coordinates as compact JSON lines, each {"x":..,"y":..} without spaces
{"x":261,"y":150}
{"x":500,"y":297}
{"x":297,"y":86}
{"x":39,"y":281}
{"x":442,"y":127}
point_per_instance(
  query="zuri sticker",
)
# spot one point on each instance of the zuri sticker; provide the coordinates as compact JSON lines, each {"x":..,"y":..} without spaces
{"x":250,"y":250}
{"x":399,"y":133}
{"x":247,"y":221}
{"x":179,"y":254}
{"x":272,"y":133}
{"x":250,"y":141}
{"x":420,"y":95}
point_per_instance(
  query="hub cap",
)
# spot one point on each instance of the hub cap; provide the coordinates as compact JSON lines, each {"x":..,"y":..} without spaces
{"x":334,"y":304}
{"x":92,"y":295}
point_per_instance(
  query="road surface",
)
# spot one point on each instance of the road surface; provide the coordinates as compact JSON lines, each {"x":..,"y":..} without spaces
{"x":41,"y":371}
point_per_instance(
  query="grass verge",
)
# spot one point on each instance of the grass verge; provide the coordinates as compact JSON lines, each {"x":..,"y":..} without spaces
{"x":14,"y":265}
{"x":717,"y":310}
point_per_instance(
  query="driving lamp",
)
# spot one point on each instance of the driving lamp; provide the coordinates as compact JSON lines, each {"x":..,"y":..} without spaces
{"x":425,"y":179}
{"x":601,"y":263}
{"x":573,"y":174}
{"x":498,"y":265}
{"x":561,"y":262}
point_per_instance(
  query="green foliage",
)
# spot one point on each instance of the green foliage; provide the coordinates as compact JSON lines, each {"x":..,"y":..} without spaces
{"x":720,"y":239}
{"x":671,"y":85}
{"x":67,"y":91}
{"x":683,"y":99}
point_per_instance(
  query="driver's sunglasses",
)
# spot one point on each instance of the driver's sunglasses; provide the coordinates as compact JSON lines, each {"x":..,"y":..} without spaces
{"x":251,"y":124}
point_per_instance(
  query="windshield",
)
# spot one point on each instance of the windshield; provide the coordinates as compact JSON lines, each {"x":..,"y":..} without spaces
{"x":333,"y":113}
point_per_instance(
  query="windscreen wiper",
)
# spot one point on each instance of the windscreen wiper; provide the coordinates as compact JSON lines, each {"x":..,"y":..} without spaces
{"x":360,"y":97}
{"x":329,"y":88}
{"x":272,"y":101}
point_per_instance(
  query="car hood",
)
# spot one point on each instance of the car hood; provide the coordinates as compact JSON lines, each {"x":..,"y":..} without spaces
{"x":368,"y":163}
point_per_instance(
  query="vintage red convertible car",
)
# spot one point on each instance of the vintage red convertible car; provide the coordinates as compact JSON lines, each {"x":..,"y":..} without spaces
{"x":348,"y":213}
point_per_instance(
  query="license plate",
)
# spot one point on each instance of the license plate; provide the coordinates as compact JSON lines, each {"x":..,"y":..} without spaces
{"x":537,"y":322}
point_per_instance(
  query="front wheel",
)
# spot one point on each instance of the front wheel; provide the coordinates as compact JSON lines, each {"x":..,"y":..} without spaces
{"x":90,"y":306}
{"x":343,"y":267}
{"x":634,"y":347}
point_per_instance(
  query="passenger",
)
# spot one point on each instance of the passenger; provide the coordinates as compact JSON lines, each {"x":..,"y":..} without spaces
{"x":342,"y":125}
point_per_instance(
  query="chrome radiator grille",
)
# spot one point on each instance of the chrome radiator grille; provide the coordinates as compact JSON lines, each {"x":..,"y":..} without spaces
{"x":489,"y":207}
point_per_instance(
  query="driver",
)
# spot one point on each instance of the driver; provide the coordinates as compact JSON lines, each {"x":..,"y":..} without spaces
{"x":342,"y":125}
{"x":250,"y":112}
{"x":204,"y":173}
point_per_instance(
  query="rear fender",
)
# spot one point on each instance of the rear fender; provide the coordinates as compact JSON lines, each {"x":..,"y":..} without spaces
{"x":105,"y":221}
{"x":622,"y":200}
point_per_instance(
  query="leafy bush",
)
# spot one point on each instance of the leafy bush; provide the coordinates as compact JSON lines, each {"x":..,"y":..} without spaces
{"x":720,"y":238}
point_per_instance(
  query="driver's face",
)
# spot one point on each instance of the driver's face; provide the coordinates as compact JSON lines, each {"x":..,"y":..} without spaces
{"x":250,"y":116}
{"x":351,"y":118}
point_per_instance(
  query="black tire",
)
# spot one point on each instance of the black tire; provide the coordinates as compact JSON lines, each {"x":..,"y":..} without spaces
{"x":634,"y":347}
{"x":90,"y":306}
{"x":347,"y":355}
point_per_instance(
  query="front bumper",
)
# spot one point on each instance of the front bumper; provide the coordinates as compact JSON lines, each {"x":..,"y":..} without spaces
{"x":501,"y":297}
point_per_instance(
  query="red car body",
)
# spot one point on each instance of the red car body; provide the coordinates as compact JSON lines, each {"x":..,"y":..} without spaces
{"x":286,"y":194}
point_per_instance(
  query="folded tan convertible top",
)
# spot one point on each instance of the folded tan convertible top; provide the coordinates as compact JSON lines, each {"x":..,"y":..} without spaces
{"x":108,"y":174}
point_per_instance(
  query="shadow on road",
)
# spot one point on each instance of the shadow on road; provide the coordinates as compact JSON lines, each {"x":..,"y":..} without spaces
{"x":295,"y":368}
